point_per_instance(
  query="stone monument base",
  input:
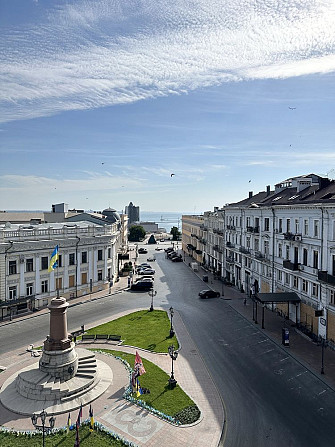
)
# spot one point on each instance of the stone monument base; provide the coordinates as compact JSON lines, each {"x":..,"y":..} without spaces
{"x":32,"y":390}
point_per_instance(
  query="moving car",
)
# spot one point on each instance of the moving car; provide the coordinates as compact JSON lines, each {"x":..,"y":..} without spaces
{"x":209,"y":294}
{"x":158,"y":248}
{"x":142,"y":285}
{"x":142,"y":250}
{"x":145,"y":278}
{"x":151,"y":258}
{"x":172,"y":254}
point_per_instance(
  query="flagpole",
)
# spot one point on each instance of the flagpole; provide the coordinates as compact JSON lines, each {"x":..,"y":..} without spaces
{"x":57,"y":276}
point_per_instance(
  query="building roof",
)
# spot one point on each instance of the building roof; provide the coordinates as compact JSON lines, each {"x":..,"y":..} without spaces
{"x":17,"y":217}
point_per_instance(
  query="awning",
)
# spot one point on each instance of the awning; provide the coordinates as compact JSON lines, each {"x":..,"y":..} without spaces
{"x":280,"y":297}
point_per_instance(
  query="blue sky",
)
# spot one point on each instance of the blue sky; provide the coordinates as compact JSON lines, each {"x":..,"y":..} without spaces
{"x":101,"y":101}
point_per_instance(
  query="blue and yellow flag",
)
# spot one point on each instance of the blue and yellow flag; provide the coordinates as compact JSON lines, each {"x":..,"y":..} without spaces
{"x":91,"y":418}
{"x":53,"y":260}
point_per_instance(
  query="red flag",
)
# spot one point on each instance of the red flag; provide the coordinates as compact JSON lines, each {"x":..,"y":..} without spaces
{"x":139,"y":365}
{"x":80,"y":414}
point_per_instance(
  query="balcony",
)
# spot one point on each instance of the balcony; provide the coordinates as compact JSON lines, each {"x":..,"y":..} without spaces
{"x":250,"y":229}
{"x":230,"y":260}
{"x":244,"y":250}
{"x":259,"y":255}
{"x":289,"y":236}
{"x":231,"y":227}
{"x":198,"y":252}
{"x":256,"y":230}
{"x":287,"y":264}
{"x":326,"y":277}
{"x":230,"y":244}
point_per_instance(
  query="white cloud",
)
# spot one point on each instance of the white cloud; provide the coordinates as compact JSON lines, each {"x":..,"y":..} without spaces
{"x":100,"y":53}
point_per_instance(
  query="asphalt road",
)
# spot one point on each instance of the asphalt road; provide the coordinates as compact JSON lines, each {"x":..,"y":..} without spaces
{"x":270,"y":399}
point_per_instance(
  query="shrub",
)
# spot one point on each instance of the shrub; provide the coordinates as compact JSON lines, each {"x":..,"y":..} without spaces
{"x":189,"y":415}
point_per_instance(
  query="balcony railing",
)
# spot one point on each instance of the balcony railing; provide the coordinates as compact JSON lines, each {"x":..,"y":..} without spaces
{"x":289,"y":236}
{"x":245,"y":250}
{"x":290,"y":265}
{"x":230,"y":244}
{"x":326,"y":277}
{"x":230,"y":260}
{"x":259,"y":255}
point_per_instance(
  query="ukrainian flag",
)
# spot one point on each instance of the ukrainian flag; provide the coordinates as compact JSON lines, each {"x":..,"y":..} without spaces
{"x":53,"y":260}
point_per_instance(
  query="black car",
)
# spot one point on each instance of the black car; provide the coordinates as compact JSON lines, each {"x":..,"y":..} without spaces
{"x":177,"y":259}
{"x":142,"y":251}
{"x":209,"y":294}
{"x":142,"y":285}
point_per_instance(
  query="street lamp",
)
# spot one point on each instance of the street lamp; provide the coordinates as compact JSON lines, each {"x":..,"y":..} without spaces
{"x":171,"y":327}
{"x":43,"y":428}
{"x":152,"y":293}
{"x":173,"y":354}
{"x":323,"y":346}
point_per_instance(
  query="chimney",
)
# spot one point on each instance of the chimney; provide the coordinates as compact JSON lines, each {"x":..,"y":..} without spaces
{"x":250,"y":194}
{"x":268,"y":190}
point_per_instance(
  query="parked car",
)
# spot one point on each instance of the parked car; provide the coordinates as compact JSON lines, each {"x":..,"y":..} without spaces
{"x":209,"y":294}
{"x":142,"y":285}
{"x":167,"y":250}
{"x":177,"y":259}
{"x":145,"y":278}
{"x":151,"y":258}
{"x":146,"y":272}
{"x":172,"y":254}
{"x":158,"y":248}
{"x":143,"y":266}
{"x":142,"y":250}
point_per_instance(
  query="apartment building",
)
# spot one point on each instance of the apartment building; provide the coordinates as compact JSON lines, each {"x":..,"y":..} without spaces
{"x":281,"y":241}
{"x":192,"y":236}
{"x":87,"y":262}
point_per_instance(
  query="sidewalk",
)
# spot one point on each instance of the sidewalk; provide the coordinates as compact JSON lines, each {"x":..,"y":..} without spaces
{"x":301,"y":347}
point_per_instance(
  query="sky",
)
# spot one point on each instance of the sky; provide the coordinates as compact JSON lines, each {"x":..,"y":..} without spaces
{"x":101,"y":101}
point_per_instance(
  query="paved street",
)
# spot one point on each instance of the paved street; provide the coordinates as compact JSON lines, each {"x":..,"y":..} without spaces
{"x":270,"y":393}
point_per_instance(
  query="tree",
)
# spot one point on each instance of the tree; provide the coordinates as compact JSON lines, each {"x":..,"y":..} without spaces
{"x":136,"y":233}
{"x":175,"y":234}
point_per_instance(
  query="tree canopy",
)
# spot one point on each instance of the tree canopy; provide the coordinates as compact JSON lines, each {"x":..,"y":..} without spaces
{"x":136,"y":233}
{"x":175,"y":234}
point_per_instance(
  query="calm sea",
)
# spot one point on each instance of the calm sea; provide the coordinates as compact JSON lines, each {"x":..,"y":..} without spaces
{"x":163,"y":219}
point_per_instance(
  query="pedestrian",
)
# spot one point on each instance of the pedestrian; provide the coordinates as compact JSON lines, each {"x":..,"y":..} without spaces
{"x":245,"y":301}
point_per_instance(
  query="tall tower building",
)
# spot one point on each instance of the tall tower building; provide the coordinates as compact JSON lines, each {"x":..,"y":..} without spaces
{"x":133,"y":213}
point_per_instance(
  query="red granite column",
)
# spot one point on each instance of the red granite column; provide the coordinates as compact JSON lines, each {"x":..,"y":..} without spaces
{"x":58,"y":338}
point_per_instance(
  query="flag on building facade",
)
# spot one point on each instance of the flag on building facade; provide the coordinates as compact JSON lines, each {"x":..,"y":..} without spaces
{"x":53,"y":263}
{"x":91,"y":418}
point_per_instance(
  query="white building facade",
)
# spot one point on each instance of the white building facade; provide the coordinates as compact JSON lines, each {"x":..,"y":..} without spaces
{"x":87,"y":262}
{"x":281,"y":241}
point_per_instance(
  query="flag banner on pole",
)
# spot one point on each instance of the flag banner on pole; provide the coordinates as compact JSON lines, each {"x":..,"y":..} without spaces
{"x":139,"y":365}
{"x":91,"y":418}
{"x":68,"y":422}
{"x":77,"y":441}
{"x":53,"y":260}
{"x":138,"y":389}
{"x":80,"y":414}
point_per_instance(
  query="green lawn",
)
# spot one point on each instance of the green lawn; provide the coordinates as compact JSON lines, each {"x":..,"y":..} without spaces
{"x":161,"y":397}
{"x":143,"y":329}
{"x":87,"y":439}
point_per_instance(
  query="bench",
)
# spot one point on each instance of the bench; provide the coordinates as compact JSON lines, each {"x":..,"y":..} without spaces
{"x":88,"y":337}
{"x":101,"y":337}
{"x":114,"y":337}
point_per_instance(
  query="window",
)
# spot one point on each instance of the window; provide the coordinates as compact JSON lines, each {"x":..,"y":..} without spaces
{"x":296,"y":224}
{"x":12,"y":293}
{"x":287,"y":249}
{"x":44,"y":263}
{"x":72,"y":260}
{"x":29,"y":289}
{"x":99,"y":275}
{"x":288,"y":225}
{"x":316,"y":228}
{"x":99,"y":255}
{"x":332,"y":297}
{"x":109,"y":253}
{"x":287,"y":279}
{"x":12,"y":268}
{"x":59,"y":262}
{"x":295,"y":282}
{"x":84,"y":257}
{"x":71,"y":280}
{"x":266,"y":224}
{"x":280,"y":275}
{"x":29,"y":265}
{"x":248,"y":242}
{"x":304,"y":286}
{"x":280,"y":229}
{"x":44,"y":285}
{"x":257,"y":244}
{"x":280,"y":251}
{"x":315,"y":259}
{"x":248,"y":221}
{"x":266,"y":248}
{"x":304,"y":256}
{"x":306,"y":227}
{"x":59,"y":283}
{"x":84,"y":278}
{"x":315,"y":289}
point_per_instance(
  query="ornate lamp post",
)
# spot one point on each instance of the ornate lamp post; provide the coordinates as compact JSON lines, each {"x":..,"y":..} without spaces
{"x":173,"y":354}
{"x":171,"y":327}
{"x":152,"y":293}
{"x":43,"y":428}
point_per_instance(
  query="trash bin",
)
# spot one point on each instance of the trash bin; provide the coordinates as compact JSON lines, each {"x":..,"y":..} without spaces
{"x":205,"y":278}
{"x":285,"y":336}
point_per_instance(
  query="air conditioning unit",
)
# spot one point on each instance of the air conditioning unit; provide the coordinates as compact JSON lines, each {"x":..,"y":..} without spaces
{"x":21,"y":259}
{"x":297,"y":237}
{"x":301,"y":267}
